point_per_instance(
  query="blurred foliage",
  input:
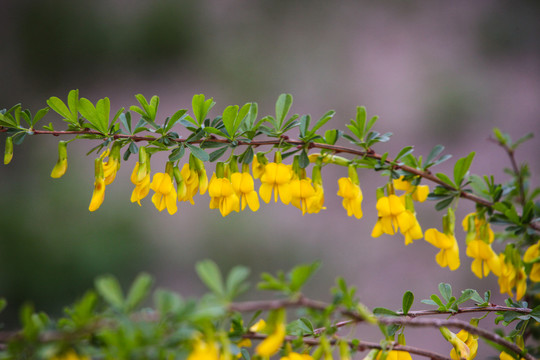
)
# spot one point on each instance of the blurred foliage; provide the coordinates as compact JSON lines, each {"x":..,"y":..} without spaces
{"x":44,"y":261}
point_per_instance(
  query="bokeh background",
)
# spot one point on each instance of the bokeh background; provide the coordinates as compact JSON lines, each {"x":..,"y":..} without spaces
{"x":435,"y":72}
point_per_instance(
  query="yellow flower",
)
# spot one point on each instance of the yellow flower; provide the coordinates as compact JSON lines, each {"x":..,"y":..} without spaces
{"x":257,"y":167}
{"x":505,"y":356}
{"x":276,"y":178}
{"x":204,"y":351}
{"x":449,"y":254}
{"x":196,"y":181}
{"x":485,"y":259}
{"x":511,"y":277}
{"x":140,"y":177}
{"x":165,"y":196}
{"x":414,"y":232}
{"x":352,"y":197}
{"x":223,"y":196}
{"x":393,"y":216}
{"x":303,"y":195}
{"x":272,"y":343}
{"x":112,"y":165}
{"x":481,"y":227}
{"x":258,"y":326}
{"x":470,"y":340}
{"x":396,"y":355}
{"x":245,"y":189}
{"x":70,"y":355}
{"x":61,"y":165}
{"x":297,"y":356}
{"x":99,"y":187}
{"x":532,"y":253}
{"x":419,"y":193}
{"x":317,"y":202}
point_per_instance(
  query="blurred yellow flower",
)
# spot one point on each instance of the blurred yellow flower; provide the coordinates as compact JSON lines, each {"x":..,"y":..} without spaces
{"x":530,"y":255}
{"x":204,"y":351}
{"x":258,"y":326}
{"x":70,"y":355}
{"x":511,"y":277}
{"x":297,"y":356}
{"x":165,"y":196}
{"x":272,"y":343}
{"x":472,"y":343}
{"x":449,"y":254}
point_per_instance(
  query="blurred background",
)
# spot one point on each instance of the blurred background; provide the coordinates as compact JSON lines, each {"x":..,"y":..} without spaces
{"x":435,"y":72}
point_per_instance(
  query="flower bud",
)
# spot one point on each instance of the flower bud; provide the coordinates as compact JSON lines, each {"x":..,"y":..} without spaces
{"x":61,"y":165}
{"x":144,"y":164}
{"x":449,"y":222}
{"x":8,"y":154}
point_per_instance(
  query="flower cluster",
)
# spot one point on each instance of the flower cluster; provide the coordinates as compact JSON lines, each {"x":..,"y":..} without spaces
{"x":232,"y":190}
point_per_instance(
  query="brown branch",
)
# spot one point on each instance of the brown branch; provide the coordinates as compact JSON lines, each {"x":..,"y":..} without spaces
{"x":361,"y":346}
{"x":411,"y":319}
{"x":438,"y":323}
{"x":334,"y":148}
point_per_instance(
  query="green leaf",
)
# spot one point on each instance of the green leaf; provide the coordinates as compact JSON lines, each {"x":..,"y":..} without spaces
{"x":94,"y":117}
{"x":445,"y":179}
{"x":201,"y":107}
{"x":3,"y":304}
{"x":522,"y":139}
{"x":108,"y":287}
{"x":283,"y":105}
{"x":167,"y":302}
{"x":303,"y":160}
{"x":103,"y":108}
{"x":304,"y":124}
{"x":229,"y":119}
{"x":138,"y":291}
{"x":380,"y":311}
{"x":300,"y":327}
{"x":300,"y":274}
{"x":443,"y":203}
{"x":217,"y":153}
{"x":211,"y":276}
{"x":198,"y":152}
{"x":361,"y":117}
{"x":236,"y":282}
{"x":213,"y":130}
{"x":245,"y":354}
{"x":323,"y":120}
{"x":437,"y":149}
{"x":408,"y":299}
{"x":331,"y":136}
{"x":462,"y":167}
{"x":446,"y":291}
{"x":58,"y":106}
{"x":404,"y":152}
